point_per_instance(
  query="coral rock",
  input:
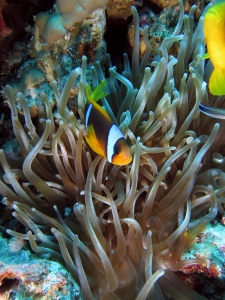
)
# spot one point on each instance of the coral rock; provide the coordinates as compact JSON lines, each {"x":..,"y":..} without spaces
{"x":120,"y":8}
{"x":209,"y":244}
{"x":24,"y":276}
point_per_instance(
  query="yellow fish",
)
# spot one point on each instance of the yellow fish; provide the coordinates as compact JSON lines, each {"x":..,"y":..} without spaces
{"x":103,"y":136}
{"x":214,"y":32}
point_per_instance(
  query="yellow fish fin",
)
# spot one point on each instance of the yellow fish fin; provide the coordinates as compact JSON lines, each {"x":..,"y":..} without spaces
{"x":205,"y":56}
{"x":99,"y":92}
{"x":217,"y":82}
{"x":92,"y":141}
{"x":88,"y":90}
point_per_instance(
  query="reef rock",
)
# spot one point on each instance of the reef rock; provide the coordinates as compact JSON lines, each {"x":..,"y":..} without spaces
{"x":23,"y":275}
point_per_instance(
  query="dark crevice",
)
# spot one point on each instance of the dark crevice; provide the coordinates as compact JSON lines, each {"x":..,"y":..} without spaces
{"x":8,"y":283}
{"x":155,"y":8}
{"x":116,"y":37}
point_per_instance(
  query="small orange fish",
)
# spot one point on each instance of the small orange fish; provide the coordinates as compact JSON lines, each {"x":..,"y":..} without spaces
{"x":103,"y":136}
{"x":214,"y":32}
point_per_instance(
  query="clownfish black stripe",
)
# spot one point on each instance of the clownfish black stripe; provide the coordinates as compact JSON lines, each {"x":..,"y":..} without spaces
{"x":114,"y":135}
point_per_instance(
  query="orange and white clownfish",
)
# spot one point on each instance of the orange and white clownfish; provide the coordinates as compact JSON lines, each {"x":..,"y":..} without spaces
{"x":103,"y":136}
{"x":214,"y":32}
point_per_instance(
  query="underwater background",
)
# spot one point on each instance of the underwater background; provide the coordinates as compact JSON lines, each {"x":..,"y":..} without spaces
{"x":73,"y":225}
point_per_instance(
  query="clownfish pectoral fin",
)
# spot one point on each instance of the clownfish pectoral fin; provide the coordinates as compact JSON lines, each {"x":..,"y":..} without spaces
{"x":92,"y":141}
{"x":213,"y":112}
{"x":205,"y":56}
{"x":217,"y":82}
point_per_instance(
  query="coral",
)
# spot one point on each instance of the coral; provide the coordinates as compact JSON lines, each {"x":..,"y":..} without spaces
{"x":17,"y":56}
{"x":164,"y":3}
{"x":52,"y":26}
{"x":209,"y":244}
{"x":117,"y":9}
{"x":187,"y":4}
{"x":35,"y":74}
{"x":24,"y":276}
{"x":19,"y":17}
{"x":160,"y":26}
{"x":121,"y":230}
{"x":31,"y":78}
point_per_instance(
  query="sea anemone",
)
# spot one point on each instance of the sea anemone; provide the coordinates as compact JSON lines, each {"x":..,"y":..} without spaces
{"x":121,"y":230}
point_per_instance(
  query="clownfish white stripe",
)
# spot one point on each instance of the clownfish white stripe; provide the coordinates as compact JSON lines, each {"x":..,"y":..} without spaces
{"x":113,"y":136}
{"x":88,"y":115}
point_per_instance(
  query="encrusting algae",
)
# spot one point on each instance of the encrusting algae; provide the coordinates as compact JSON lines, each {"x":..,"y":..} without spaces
{"x":121,"y":230}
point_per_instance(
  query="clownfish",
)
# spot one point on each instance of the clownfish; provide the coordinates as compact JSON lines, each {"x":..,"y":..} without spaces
{"x":103,"y":136}
{"x":214,"y":112}
{"x":214,"y":32}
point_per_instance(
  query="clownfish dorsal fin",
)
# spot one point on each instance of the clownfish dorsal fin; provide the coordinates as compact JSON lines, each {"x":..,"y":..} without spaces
{"x":99,"y":92}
